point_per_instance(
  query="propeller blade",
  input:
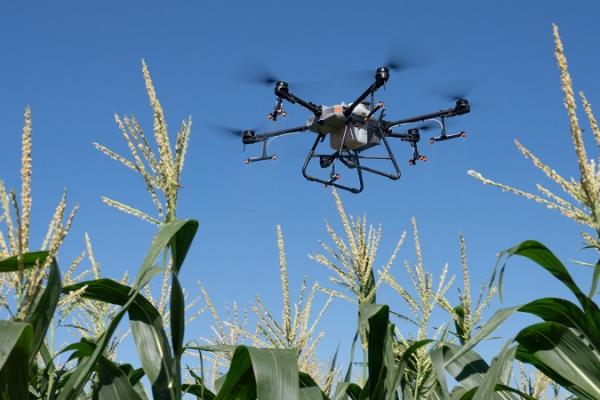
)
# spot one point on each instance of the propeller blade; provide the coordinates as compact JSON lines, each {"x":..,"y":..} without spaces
{"x":224,"y":129}
{"x":403,"y":56}
{"x":455,"y":90}
{"x":428,"y":127}
{"x":399,"y":57}
{"x":258,"y":73}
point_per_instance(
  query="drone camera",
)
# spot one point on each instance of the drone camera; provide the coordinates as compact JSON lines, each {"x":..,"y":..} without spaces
{"x":462,"y":106}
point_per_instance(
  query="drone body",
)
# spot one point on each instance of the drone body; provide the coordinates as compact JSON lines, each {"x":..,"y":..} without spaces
{"x":333,"y":122}
{"x":352,"y":129}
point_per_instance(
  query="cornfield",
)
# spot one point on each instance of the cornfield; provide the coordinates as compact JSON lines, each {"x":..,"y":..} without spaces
{"x":258,"y":353}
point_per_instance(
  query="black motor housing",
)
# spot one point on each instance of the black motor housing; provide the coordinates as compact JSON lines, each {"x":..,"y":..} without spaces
{"x":462,"y":107}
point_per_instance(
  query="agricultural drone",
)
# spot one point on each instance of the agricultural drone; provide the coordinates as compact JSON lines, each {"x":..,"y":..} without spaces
{"x":353,"y":129}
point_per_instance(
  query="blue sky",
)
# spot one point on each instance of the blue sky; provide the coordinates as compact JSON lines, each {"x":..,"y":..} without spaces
{"x":77,"y":63}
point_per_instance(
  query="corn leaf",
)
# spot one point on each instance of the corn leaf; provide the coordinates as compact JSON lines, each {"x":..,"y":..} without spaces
{"x":29,"y":260}
{"x":266,"y":374}
{"x":565,"y":357}
{"x":113,"y":383}
{"x":43,"y":311}
{"x":146,"y":326}
{"x":15,"y":347}
{"x":82,"y":373}
{"x":498,"y":373}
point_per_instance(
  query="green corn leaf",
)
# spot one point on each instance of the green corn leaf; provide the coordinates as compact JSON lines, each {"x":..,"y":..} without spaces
{"x":437,"y":360}
{"x":498,"y":373}
{"x":146,"y":326}
{"x":80,"y":376}
{"x":201,"y":393}
{"x":306,"y":381}
{"x":43,"y":311}
{"x":266,"y":374}
{"x":563,"y":356}
{"x":15,"y":348}
{"x":310,"y":393}
{"x":541,"y":255}
{"x":164,"y":238}
{"x":113,"y":383}
{"x":468,"y":368}
{"x":499,"y":388}
{"x":494,"y":322}
{"x":179,"y":245}
{"x":177,"y":317}
{"x":181,"y":242}
{"x":29,"y":260}
{"x":345,"y":390}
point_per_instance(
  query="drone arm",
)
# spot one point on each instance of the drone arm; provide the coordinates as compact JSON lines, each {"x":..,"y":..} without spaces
{"x":381,"y":77}
{"x":269,"y":135}
{"x":443,"y":113}
{"x":462,"y":107}
{"x":282,"y":92}
{"x":371,"y":89}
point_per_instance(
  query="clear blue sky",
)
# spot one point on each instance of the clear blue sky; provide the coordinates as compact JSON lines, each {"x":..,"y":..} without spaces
{"x":76,"y":63}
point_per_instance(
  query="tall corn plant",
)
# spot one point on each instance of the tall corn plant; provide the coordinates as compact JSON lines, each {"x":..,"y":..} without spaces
{"x":29,"y":281}
{"x":565,"y":346}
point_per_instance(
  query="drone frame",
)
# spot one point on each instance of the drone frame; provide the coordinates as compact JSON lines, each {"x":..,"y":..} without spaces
{"x":351,"y":157}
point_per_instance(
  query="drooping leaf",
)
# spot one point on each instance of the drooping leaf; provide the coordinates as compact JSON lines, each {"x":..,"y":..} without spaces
{"x":180,"y":243}
{"x":81,"y":374}
{"x":563,"y":356}
{"x":541,"y":255}
{"x":28,"y":260}
{"x":163,"y":238}
{"x":15,"y":349}
{"x":146,"y":326}
{"x":494,"y":322}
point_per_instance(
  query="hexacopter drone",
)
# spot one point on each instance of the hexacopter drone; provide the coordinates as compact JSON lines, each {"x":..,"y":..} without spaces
{"x":353,"y":129}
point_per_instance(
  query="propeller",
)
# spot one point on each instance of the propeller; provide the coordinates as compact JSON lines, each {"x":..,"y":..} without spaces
{"x":231,"y":131}
{"x":455,"y":90}
{"x":398,"y":58}
{"x":257,"y":72}
{"x":429,"y":126}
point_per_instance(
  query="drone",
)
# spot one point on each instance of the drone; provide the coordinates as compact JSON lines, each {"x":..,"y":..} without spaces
{"x":353,"y":129}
